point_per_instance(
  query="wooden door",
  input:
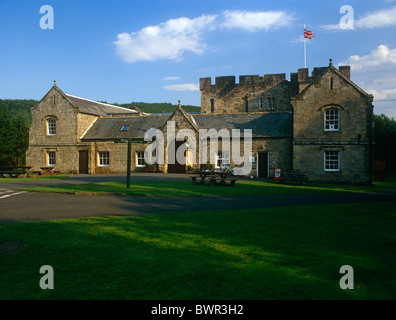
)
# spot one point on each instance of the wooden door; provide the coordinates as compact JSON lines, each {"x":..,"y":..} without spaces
{"x":176,"y":167}
{"x":263,"y":165}
{"x":83,"y":161}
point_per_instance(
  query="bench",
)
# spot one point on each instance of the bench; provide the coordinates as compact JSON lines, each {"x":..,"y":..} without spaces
{"x":12,"y":174}
{"x":296,"y":175}
{"x":214,"y":180}
{"x":194,"y":179}
{"x":38,"y":173}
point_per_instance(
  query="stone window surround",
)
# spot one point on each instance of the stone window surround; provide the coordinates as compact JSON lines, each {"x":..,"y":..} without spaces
{"x":139,"y":159}
{"x":103,"y":158}
{"x":327,"y":107}
{"x":51,"y":158}
{"x":271,"y":103}
{"x":326,"y":158}
{"x":261,"y":104}
{"x":49,"y":127}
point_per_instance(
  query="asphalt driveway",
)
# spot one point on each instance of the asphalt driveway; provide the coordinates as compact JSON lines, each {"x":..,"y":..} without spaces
{"x":30,"y":206}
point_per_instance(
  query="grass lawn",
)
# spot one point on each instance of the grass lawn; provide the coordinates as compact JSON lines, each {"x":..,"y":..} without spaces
{"x":273,"y":253}
{"x":60,"y":176}
{"x":186,"y":188}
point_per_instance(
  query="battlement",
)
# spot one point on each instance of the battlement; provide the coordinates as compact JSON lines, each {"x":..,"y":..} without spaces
{"x":253,"y":92}
{"x":230,"y":81}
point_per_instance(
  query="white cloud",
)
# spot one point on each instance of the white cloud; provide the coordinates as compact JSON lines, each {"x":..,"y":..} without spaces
{"x":168,"y":40}
{"x":171,"y":78}
{"x":375,"y":73}
{"x":381,"y":18}
{"x":377,"y":19}
{"x":171,"y":39}
{"x":183,"y":87}
{"x":253,"y":21}
{"x":382,"y":55}
{"x":333,"y":27}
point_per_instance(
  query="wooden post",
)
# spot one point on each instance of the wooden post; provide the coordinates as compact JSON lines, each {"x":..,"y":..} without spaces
{"x":129,"y":163}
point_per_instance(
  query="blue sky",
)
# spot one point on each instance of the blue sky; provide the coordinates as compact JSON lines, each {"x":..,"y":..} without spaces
{"x":156,"y":51}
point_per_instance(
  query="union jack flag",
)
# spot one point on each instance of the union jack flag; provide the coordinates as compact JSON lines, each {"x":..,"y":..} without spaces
{"x":308,"y":34}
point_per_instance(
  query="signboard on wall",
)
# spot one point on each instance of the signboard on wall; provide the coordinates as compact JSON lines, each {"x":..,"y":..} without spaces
{"x":277,"y":174}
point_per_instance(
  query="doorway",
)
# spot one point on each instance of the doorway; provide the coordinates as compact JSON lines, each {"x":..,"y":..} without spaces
{"x":83,"y":161}
{"x":176,"y":167}
{"x":262,"y":165}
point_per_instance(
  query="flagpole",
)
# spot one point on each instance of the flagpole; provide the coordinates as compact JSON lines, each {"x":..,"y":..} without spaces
{"x":305,"y":49}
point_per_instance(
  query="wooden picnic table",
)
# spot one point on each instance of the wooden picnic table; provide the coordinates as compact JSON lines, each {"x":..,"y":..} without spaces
{"x":47,"y":170}
{"x":294,"y":175}
{"x":15,"y":171}
{"x":213,"y":176}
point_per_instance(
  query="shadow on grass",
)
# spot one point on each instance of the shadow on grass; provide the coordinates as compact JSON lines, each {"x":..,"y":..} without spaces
{"x":186,"y":188}
{"x":276,"y":253}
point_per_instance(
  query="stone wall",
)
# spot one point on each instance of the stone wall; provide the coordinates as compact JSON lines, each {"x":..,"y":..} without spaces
{"x":353,"y":163}
{"x":353,"y":139}
{"x":64,"y":142}
{"x":278,"y":150}
{"x":228,"y":96}
{"x":308,"y":97}
{"x":84,"y":122}
{"x":53,"y":105}
{"x":70,"y":126}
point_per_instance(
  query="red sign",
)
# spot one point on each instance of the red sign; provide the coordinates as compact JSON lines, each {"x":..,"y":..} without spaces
{"x":277,"y":174}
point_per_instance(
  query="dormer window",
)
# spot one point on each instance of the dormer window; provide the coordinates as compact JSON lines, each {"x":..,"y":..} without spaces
{"x":124,"y":127}
{"x":51,"y":126}
{"x":332,"y":120}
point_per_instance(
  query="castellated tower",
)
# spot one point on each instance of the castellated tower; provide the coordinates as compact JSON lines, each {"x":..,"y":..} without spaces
{"x":253,"y":93}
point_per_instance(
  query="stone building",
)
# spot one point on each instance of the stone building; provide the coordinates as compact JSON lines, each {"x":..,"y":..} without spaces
{"x":320,"y":123}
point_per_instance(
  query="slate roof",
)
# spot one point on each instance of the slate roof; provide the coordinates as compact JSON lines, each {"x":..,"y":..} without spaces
{"x":262,"y":125}
{"x":97,"y":108}
{"x":109,"y":128}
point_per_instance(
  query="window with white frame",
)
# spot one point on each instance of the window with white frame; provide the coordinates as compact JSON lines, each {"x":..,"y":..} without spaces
{"x":140,"y":159}
{"x":51,"y":127}
{"x":332,"y":120}
{"x":104,"y":158}
{"x":223,"y":159}
{"x":271,"y":104}
{"x":261,"y":103}
{"x":51,"y":158}
{"x":332,"y":161}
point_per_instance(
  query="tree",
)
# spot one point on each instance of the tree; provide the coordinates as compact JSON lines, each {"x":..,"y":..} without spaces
{"x":385,"y":140}
{"x":15,"y":121}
